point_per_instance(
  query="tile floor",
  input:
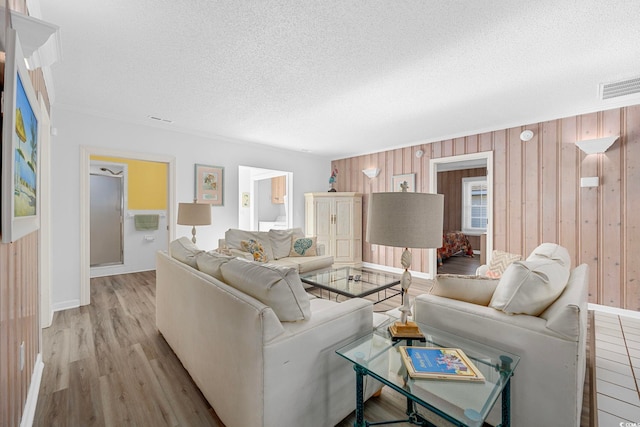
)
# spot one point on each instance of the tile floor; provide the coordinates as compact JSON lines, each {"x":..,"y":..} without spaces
{"x":617,"y":370}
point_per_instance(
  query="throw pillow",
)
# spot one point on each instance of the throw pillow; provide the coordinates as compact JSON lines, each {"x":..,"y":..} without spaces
{"x":281,"y":241}
{"x":255,"y":248}
{"x":529,"y":287}
{"x":277,"y":287}
{"x":305,"y":246}
{"x":233,"y":240}
{"x":210,"y":263}
{"x":184,"y":250}
{"x":551,"y":251}
{"x":499,"y":262}
{"x":473,"y":289}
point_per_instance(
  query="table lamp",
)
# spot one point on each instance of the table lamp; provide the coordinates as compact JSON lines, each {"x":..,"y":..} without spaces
{"x":405,"y":220}
{"x":194,"y":214}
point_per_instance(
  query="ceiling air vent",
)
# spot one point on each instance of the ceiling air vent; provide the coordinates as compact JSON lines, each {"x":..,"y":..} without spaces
{"x":619,"y":88}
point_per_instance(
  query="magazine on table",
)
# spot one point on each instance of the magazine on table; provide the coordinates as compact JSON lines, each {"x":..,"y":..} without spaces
{"x":439,"y":363}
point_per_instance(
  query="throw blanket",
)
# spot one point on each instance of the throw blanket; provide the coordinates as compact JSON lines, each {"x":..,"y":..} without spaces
{"x":452,"y":243}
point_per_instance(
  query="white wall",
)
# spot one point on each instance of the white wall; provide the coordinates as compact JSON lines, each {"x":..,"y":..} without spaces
{"x":75,"y":129}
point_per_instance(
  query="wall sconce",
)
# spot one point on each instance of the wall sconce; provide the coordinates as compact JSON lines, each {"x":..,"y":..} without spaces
{"x":595,"y":146}
{"x":371,"y":172}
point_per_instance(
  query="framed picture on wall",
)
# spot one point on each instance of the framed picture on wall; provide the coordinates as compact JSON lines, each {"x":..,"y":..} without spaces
{"x":20,"y":148}
{"x":209,"y":182}
{"x":408,"y":180}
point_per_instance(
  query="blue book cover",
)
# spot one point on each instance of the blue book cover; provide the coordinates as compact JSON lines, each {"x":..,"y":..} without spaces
{"x":439,"y":363}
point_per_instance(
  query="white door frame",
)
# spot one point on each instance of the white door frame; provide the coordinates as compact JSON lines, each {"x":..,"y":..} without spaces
{"x":85,"y":161}
{"x":433,"y":188}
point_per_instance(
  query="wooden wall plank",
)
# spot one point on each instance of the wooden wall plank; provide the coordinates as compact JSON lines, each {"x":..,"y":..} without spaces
{"x":500,"y":170}
{"x":471,"y":144}
{"x":610,"y":250}
{"x":568,"y":186}
{"x":588,"y":129}
{"x":515,"y":193}
{"x":549,"y":200}
{"x":631,"y":191}
{"x":531,"y":177}
{"x":485,"y":142}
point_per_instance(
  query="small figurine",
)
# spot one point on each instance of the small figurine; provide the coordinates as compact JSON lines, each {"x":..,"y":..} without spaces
{"x":332,"y":179}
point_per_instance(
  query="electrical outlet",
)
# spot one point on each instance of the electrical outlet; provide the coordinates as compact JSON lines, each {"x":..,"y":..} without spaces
{"x":22,"y":356}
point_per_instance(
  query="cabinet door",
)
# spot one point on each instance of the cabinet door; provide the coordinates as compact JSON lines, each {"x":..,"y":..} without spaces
{"x":277,"y":190}
{"x":323,"y":212}
{"x":343,"y":230}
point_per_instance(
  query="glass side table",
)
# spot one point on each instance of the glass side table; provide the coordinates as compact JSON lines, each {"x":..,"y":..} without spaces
{"x":462,"y":403}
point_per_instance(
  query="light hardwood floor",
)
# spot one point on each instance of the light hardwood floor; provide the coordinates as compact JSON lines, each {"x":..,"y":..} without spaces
{"x":107,"y":365}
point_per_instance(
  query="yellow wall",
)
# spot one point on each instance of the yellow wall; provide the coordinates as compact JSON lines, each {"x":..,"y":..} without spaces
{"x":147,"y":183}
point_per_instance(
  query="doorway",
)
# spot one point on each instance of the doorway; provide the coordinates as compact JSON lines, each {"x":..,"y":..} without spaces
{"x":477,"y":161}
{"x":106,"y":214}
{"x":86,"y":152}
{"x":265,"y":199}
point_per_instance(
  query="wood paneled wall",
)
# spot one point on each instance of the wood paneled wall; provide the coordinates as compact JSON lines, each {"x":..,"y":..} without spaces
{"x":19,"y":305}
{"x":19,"y":322}
{"x":537,"y":195}
{"x":450,"y":186}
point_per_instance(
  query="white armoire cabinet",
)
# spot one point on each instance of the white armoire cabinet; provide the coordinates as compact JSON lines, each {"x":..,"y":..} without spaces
{"x":336,"y":220}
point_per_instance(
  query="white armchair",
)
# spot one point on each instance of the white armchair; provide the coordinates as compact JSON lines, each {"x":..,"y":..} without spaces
{"x":548,"y":383}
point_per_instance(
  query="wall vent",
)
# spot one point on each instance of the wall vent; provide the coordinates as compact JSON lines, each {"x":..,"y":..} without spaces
{"x":619,"y":88}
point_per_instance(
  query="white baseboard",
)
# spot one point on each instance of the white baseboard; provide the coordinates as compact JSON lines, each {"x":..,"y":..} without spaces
{"x":615,"y":310}
{"x":396,"y":270}
{"x":32,"y":396}
{"x":65,"y":305}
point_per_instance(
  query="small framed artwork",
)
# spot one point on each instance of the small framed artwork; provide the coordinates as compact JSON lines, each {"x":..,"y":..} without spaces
{"x":209,"y":184}
{"x":400,"y":182}
{"x":245,"y":200}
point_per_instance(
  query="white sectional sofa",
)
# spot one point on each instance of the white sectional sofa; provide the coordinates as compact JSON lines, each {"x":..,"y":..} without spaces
{"x":276,"y":245}
{"x":261,"y":349}
{"x":522,"y":313}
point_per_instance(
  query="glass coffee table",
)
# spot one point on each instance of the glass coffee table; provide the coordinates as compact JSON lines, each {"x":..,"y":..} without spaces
{"x":354,"y":282}
{"x":462,"y":403}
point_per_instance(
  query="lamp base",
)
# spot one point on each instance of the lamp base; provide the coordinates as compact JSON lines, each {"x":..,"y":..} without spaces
{"x":405,"y":331}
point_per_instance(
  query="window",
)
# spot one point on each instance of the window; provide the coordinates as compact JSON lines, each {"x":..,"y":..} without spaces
{"x":474,"y":205}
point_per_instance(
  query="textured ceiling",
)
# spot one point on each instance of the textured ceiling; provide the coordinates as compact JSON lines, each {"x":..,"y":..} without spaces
{"x":342,"y":77}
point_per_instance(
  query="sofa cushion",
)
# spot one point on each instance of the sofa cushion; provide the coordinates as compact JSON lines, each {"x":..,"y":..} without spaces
{"x":210,"y":263}
{"x":303,"y":246}
{"x":278,"y":287}
{"x":255,"y":248}
{"x":499,"y":262}
{"x":472,"y":289}
{"x":281,"y":241}
{"x":234,"y":237}
{"x":529,"y":287}
{"x":553,"y":252}
{"x":184,"y":250}
{"x":306,"y":263}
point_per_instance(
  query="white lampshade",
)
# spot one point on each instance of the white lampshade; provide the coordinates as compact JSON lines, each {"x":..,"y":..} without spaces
{"x":595,"y":146}
{"x":194,"y":214}
{"x":405,"y":220}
